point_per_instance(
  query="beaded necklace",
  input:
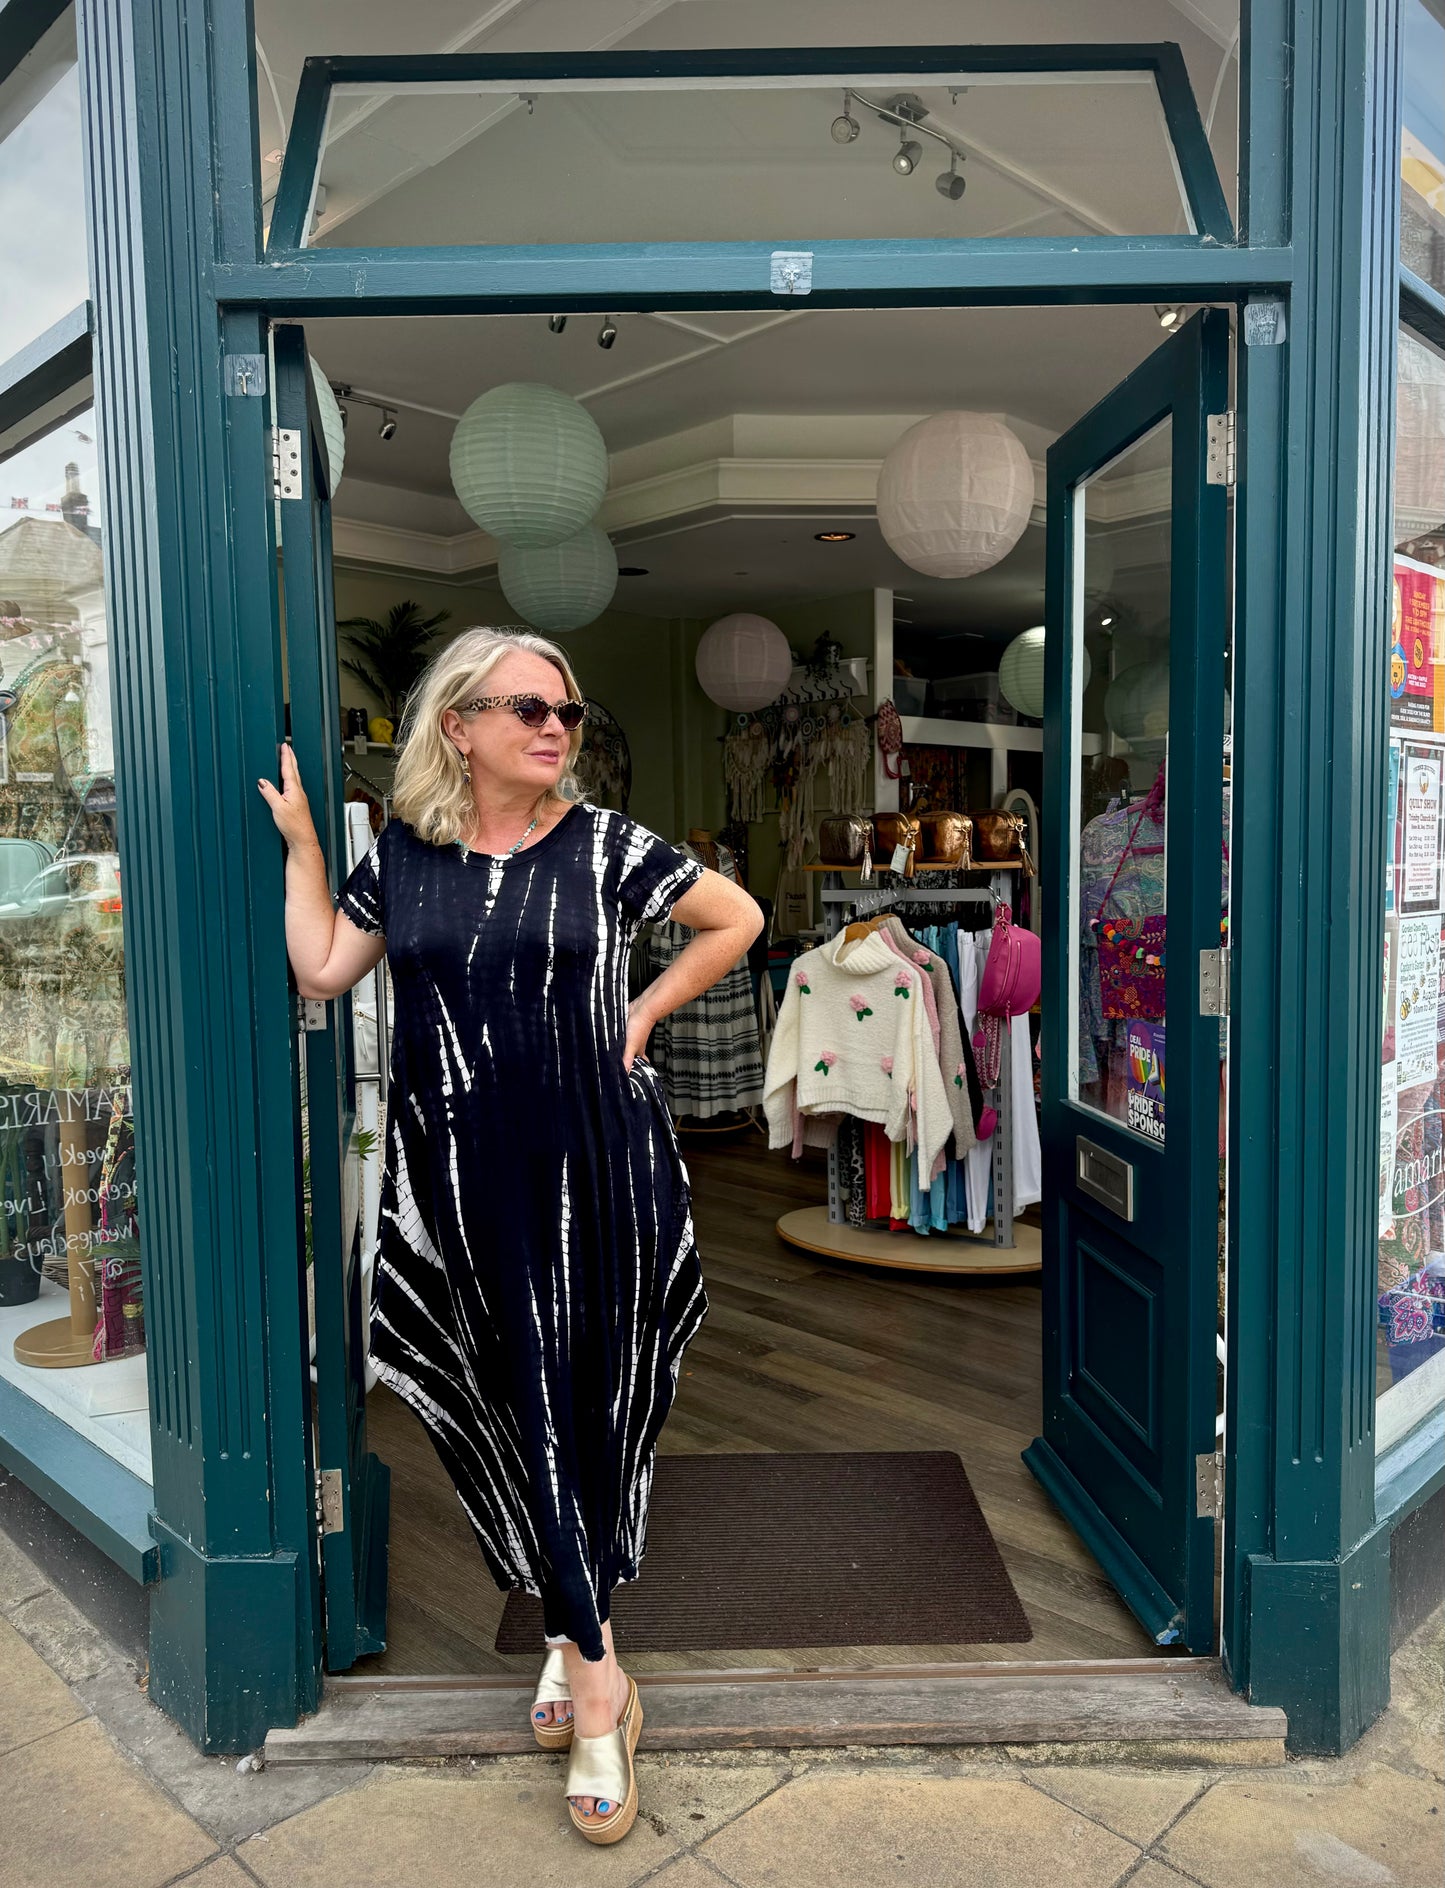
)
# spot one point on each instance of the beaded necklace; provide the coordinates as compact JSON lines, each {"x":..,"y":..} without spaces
{"x":466,"y":850}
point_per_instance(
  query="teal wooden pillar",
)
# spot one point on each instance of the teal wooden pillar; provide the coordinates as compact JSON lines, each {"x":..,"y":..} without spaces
{"x":1308,"y":1624}
{"x":190,"y":564}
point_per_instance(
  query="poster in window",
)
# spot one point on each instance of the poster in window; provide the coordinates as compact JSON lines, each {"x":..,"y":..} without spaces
{"x":1145,"y":1103}
{"x":1420,"y":862}
{"x":1417,"y":648}
{"x":1417,"y":1000}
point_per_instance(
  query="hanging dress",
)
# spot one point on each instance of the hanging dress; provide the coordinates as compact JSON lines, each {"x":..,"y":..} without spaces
{"x":536,"y":1277}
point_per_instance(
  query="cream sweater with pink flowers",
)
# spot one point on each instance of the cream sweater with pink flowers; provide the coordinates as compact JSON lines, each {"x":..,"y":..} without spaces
{"x":852,"y":1037}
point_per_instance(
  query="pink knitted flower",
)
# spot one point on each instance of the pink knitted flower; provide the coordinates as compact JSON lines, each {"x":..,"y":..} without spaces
{"x":901,"y":986}
{"x":921,"y":956}
{"x":886,"y":1064}
{"x":800,"y":977}
{"x":825,"y":1061}
{"x":860,"y":1007}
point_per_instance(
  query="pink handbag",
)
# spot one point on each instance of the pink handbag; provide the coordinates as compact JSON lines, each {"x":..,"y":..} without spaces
{"x":1012,"y":979}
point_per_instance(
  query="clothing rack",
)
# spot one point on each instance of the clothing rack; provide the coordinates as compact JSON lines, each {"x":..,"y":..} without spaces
{"x":827,"y":1230}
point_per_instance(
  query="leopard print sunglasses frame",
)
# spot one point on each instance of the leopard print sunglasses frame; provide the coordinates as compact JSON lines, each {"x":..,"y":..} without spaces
{"x":531,"y":710}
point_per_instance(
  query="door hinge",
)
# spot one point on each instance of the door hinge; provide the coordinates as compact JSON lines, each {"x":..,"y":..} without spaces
{"x":1209,"y":1486}
{"x":330,"y":1506}
{"x":1219,"y":462}
{"x":285,"y":462}
{"x":310,"y":1013}
{"x":1214,"y":982}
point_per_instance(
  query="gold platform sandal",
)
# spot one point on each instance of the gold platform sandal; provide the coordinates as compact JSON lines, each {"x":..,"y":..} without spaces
{"x":552,"y":1687}
{"x":601,"y":1767}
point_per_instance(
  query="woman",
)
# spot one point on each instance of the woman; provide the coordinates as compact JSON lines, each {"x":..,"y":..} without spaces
{"x":537,"y":1279}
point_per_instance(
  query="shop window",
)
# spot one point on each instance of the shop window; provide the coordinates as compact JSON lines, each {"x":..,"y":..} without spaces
{"x":69,"y":1213}
{"x":42,"y":198}
{"x":1410,"y":1354}
{"x":1422,"y":142}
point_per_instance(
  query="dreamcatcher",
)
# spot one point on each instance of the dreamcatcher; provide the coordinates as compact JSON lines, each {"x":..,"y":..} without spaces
{"x":604,"y":761}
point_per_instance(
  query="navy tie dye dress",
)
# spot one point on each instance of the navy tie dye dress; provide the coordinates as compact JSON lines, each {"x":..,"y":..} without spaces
{"x":536,"y":1278}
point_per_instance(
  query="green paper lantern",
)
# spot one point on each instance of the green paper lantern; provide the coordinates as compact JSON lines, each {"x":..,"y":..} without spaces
{"x":1021,"y":673}
{"x":560,"y":586}
{"x":332,"y":431}
{"x":528,"y":464}
{"x":1137,"y":707}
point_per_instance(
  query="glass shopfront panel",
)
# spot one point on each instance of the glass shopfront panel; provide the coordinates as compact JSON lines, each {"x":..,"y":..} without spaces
{"x":1422,"y":142}
{"x":42,"y":197}
{"x":1410,"y":1351}
{"x":70,"y":1293}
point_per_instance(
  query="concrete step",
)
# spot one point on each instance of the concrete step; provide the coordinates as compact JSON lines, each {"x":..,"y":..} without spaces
{"x":1183,"y":1703}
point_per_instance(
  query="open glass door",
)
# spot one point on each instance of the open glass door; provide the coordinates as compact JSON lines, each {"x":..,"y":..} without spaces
{"x":353,"y":1486}
{"x":1138,"y":511}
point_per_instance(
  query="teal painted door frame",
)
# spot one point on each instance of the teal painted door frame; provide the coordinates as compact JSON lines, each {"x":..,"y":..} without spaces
{"x":180,"y":283}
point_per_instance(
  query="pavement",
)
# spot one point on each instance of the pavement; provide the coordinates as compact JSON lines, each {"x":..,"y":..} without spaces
{"x":103,"y":1790}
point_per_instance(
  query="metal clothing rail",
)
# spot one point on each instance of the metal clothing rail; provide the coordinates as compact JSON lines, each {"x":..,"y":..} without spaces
{"x":862,"y":900}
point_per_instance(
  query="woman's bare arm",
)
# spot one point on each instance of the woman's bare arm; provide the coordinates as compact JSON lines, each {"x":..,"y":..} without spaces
{"x":328,"y":952}
{"x":726,"y":920}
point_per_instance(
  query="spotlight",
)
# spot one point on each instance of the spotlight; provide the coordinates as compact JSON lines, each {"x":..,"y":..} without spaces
{"x":387,"y":428}
{"x":948,"y":183}
{"x":607,"y":333}
{"x":845,"y":127}
{"x":1170,"y":315}
{"x":632,"y":570}
{"x":834,"y":537}
{"x":556,"y":323}
{"x":905,"y":158}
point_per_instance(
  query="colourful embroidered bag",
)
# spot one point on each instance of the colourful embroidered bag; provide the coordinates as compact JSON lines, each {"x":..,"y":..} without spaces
{"x":1131,"y":950}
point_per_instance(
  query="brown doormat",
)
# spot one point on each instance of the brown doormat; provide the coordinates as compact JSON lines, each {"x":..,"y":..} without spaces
{"x":843,"y":1549}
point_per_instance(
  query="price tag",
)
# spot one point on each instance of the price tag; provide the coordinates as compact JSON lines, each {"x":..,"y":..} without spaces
{"x":900,"y":859}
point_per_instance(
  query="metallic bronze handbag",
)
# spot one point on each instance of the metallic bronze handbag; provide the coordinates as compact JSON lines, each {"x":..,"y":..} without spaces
{"x":945,"y":839}
{"x":891,"y":830}
{"x":845,"y":839}
{"x":1000,"y":837}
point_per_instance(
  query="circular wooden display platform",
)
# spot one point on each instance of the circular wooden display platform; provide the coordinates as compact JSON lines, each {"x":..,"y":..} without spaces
{"x":810,"y":1228}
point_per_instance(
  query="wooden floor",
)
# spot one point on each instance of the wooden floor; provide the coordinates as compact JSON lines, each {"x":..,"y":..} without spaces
{"x":797,"y":1352}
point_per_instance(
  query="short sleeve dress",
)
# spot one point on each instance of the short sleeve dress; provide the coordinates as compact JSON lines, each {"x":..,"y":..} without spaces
{"x":536,"y":1277}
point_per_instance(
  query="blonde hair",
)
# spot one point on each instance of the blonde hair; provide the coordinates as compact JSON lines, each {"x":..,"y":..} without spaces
{"x":430,"y":793}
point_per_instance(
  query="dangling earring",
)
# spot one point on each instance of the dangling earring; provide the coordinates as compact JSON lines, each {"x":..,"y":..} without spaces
{"x":466,"y":770}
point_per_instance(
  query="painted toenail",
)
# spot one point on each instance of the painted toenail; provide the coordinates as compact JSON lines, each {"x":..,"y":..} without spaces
{"x":541,"y":1714}
{"x":603,"y":1807}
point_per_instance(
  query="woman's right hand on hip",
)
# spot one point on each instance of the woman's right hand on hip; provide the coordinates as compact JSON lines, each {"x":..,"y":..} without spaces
{"x":289,"y":806}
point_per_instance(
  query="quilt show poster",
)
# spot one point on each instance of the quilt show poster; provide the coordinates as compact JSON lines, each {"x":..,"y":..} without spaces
{"x":1417,"y":648}
{"x":1145,"y":1095}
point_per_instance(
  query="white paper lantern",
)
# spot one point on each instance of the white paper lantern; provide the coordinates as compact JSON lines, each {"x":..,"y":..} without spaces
{"x":332,"y":431}
{"x":743,"y":662}
{"x":1021,"y":673}
{"x":528,"y":464}
{"x":560,"y":586}
{"x":954,"y":494}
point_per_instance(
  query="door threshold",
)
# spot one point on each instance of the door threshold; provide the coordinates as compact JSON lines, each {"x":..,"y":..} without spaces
{"x":1154,"y":1708}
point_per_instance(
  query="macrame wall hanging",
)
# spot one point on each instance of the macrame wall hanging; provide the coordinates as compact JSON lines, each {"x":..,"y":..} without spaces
{"x":811,"y":726}
{"x":604,"y":760}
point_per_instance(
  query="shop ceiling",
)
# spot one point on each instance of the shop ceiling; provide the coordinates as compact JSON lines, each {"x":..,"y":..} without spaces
{"x":734,"y":437}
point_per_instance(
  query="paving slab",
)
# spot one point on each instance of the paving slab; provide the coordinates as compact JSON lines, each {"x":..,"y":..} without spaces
{"x":452,"y":1829}
{"x":1156,"y":1875}
{"x":688,"y":1872}
{"x":63,"y":1636}
{"x":1374,"y":1827}
{"x":222,"y":1873}
{"x":1410,"y":1735}
{"x":79,"y":1812}
{"x":228,"y":1803}
{"x":1133,"y":1803}
{"x":824,"y":1830}
{"x":33,"y":1701}
{"x":20,"y":1578}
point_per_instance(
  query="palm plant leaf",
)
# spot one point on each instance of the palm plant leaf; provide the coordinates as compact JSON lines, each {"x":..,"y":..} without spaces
{"x":391,"y":654}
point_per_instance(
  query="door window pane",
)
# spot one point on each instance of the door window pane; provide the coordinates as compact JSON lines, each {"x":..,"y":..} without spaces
{"x":1422,"y":142}
{"x":69,"y":1214}
{"x":1121,"y":748}
{"x":42,"y":198}
{"x":1410,"y":1349}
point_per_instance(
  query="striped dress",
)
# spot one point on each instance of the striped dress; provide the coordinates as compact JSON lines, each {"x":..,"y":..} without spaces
{"x":536,"y":1276}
